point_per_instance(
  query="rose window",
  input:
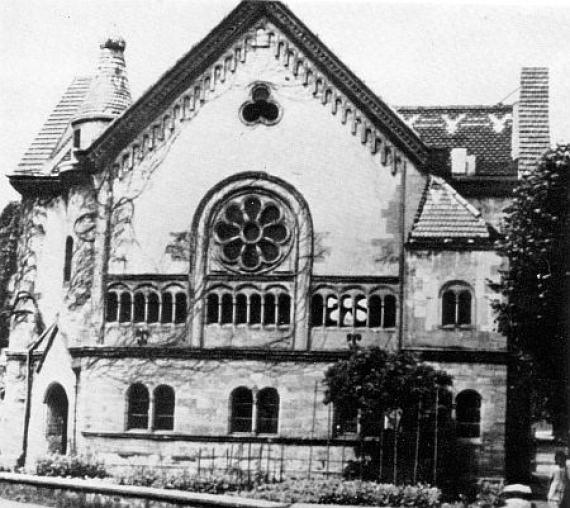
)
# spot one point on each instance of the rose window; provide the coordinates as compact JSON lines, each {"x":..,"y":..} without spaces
{"x":252,"y":233}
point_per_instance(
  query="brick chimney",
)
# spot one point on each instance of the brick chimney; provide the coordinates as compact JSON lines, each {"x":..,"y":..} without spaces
{"x":109,"y":94}
{"x":531,"y":124}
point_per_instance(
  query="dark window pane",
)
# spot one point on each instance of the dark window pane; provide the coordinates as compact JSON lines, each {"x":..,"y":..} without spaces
{"x":345,"y":420}
{"x":163,"y":408}
{"x":212,"y":308}
{"x":227,"y":308}
{"x":241,"y":309}
{"x":255,"y":309}
{"x":137,"y":411}
{"x":269,"y":309}
{"x":374,"y":311}
{"x":241,"y":408}
{"x":180,"y":308}
{"x":468,"y":414}
{"x":267,"y":411}
{"x":317,"y":310}
{"x":125,"y":307}
{"x":464,"y":308}
{"x":112,"y":310}
{"x":153,"y":308}
{"x":389,"y":311}
{"x":68,"y":259}
{"x":166,"y":316}
{"x":284,"y":309}
{"x":139,"y":307}
{"x":448,"y":308}
{"x":360,"y":311}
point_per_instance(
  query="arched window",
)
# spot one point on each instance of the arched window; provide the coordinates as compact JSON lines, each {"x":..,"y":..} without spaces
{"x":468,"y":414}
{"x":212,"y":308}
{"x":163,"y":408}
{"x":269,"y":309}
{"x":67,"y":265}
{"x":137,"y":407}
{"x":255,"y":309}
{"x":227,"y":309}
{"x":56,"y":424}
{"x":139,"y":316}
{"x":112,"y":307}
{"x":167,"y":306}
{"x":267,"y":411}
{"x":153,"y":308}
{"x":456,"y":305}
{"x":241,"y":410}
{"x":284,"y":309}
{"x":375,"y":311}
{"x":389,"y":311}
{"x":180,"y":308}
{"x":125,"y":307}
{"x":241,"y":309}
{"x":317,"y":310}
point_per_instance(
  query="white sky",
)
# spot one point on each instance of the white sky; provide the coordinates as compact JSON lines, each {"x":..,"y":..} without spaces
{"x":423,"y":53}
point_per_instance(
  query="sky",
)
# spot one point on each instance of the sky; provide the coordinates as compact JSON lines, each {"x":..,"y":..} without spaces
{"x":409,"y":53}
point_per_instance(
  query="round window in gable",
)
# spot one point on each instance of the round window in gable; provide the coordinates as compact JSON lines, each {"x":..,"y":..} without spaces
{"x":253,"y":233}
{"x":261,"y":108}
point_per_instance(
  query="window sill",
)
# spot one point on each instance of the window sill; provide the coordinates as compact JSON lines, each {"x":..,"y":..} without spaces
{"x":457,"y":327}
{"x":475,"y":441}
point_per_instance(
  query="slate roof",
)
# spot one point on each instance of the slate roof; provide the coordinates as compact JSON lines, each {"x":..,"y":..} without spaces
{"x":445,"y":215}
{"x":48,"y":139}
{"x":486,"y":132}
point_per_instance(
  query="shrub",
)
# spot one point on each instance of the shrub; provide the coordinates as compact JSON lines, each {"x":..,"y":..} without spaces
{"x":71,"y":466}
{"x":336,"y":491}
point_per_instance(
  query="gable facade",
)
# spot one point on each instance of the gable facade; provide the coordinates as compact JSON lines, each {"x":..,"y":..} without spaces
{"x":209,"y":250}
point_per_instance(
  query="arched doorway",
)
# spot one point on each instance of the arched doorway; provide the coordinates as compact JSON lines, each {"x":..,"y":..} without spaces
{"x":57,"y":407}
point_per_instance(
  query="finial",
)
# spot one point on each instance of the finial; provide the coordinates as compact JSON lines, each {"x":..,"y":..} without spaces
{"x":115,"y":42}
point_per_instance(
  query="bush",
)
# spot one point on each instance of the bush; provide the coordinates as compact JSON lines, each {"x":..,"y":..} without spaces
{"x":71,"y":466}
{"x":336,"y":491}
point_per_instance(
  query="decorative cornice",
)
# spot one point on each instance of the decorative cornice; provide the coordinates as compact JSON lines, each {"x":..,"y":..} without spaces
{"x":170,"y":100}
{"x":187,"y":353}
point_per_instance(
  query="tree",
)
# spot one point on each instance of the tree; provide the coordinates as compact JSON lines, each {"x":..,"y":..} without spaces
{"x":9,"y":235}
{"x":535,"y":291}
{"x":378,"y":384}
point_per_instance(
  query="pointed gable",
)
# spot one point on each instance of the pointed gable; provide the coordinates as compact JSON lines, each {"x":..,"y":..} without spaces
{"x":225,"y":47}
{"x":445,"y":216}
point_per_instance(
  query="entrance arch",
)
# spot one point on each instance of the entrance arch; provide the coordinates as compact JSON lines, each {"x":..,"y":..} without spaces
{"x":57,"y":408}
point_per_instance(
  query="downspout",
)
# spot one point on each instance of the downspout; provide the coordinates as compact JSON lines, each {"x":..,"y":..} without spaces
{"x":29,"y":382}
{"x":402,"y":260}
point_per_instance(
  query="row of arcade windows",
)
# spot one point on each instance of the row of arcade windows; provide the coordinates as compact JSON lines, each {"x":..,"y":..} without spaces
{"x":353,"y":310}
{"x":248,"y":308}
{"x":456,"y":304}
{"x":467,"y":416}
{"x":139,"y":413}
{"x":146,"y":307}
{"x":259,"y":417}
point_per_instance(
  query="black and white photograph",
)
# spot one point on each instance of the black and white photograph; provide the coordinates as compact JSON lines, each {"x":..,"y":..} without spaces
{"x":281,"y":253}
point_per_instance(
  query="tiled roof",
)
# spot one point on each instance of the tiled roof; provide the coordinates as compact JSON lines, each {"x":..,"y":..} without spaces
{"x":486,"y":132}
{"x":445,"y":215}
{"x":47,"y":140}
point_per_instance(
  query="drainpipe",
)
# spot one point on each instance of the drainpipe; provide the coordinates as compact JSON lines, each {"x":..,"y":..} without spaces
{"x":402,"y":260}
{"x":29,"y":382}
{"x":77,"y":372}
